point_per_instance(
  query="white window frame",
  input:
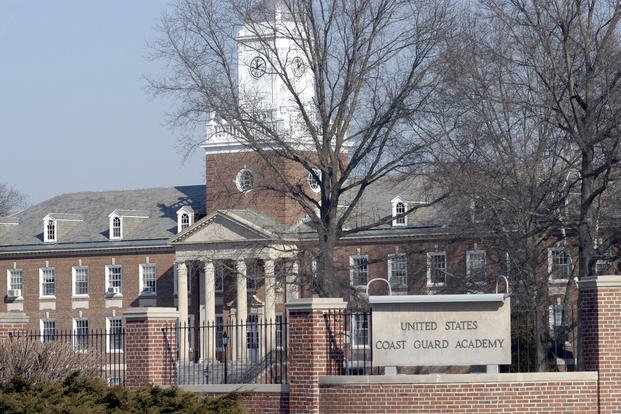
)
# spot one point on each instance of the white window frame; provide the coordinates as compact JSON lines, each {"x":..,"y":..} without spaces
{"x":9,"y":281}
{"x":355,"y":320}
{"x":279,"y":331}
{"x":44,"y":331}
{"x":469,"y":262}
{"x":109,"y":282}
{"x":399,"y":221}
{"x":430,"y":258}
{"x":141,"y":271}
{"x":354,"y":268}
{"x":74,"y":281}
{"x":42,"y":271}
{"x":50,"y":223}
{"x":392,"y":260}
{"x":113,"y":236}
{"x":552,"y":252}
{"x":81,"y":337}
{"x":109,"y":333}
{"x":181,"y":213}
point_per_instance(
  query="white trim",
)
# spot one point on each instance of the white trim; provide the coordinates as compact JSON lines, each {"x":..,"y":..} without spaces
{"x":10,"y":287}
{"x":468,"y":260}
{"x":353,"y":270}
{"x":429,"y":258}
{"x":73,"y":281}
{"x":114,"y":217}
{"x":108,"y":291}
{"x":41,"y":295}
{"x":80,"y":347}
{"x":109,"y":336}
{"x":185,"y":210}
{"x":403,"y":221}
{"x":47,"y":220}
{"x":141,"y":284}
{"x":391,"y":260}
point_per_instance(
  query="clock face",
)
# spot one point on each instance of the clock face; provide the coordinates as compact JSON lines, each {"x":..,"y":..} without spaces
{"x":297,"y":66}
{"x":257,"y":67}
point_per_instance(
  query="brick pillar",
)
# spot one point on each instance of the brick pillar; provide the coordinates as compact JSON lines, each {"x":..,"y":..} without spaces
{"x":309,"y":349}
{"x":150,"y":346}
{"x":12,"y":322}
{"x":600,"y":313}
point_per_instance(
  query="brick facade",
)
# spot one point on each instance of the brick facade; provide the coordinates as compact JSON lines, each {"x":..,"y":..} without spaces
{"x":11,"y":323}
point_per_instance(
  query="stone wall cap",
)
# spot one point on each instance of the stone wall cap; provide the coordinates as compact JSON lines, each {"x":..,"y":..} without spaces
{"x":602,"y":281}
{"x":460,"y":378}
{"x":151,"y":313}
{"x":13,"y":317}
{"x":315,"y":304}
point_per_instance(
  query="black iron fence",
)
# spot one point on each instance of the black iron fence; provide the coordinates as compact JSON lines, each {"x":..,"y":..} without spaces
{"x":231,"y":352}
{"x":541,"y":340}
{"x":106,"y":349}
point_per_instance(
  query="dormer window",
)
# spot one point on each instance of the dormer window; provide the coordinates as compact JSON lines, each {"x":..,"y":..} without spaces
{"x":116,"y":231}
{"x":50,"y":231}
{"x":185,"y":218}
{"x":398,"y":212}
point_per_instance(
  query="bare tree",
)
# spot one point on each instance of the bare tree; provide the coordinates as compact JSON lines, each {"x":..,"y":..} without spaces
{"x":573,"y":48}
{"x":356,"y":80}
{"x":10,"y":199}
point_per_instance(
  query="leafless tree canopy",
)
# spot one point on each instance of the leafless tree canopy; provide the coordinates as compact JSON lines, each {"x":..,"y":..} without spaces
{"x":10,"y":199}
{"x":373,"y":66}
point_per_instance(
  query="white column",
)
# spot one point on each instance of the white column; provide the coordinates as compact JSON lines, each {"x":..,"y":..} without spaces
{"x":209,"y":330}
{"x":292,"y":282}
{"x":182,"y":306}
{"x":270,"y":306}
{"x":242,"y":309}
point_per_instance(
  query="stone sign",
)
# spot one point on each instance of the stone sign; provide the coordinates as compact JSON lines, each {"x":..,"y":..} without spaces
{"x":441,"y":330}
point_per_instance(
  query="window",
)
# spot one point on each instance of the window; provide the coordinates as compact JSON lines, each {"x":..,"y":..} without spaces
{"x":398,"y":272}
{"x":80,"y":281}
{"x":244,"y":180}
{"x":358,"y":270}
{"x":219,"y":277}
{"x":559,"y":319}
{"x":360,"y":330}
{"x":398,"y":212}
{"x":48,"y":330}
{"x":47,"y":277}
{"x":15,"y":283}
{"x":219,"y":331}
{"x":81,"y":337}
{"x":49,"y":231}
{"x":148,"y":276}
{"x":475,"y":265}
{"x":185,"y":221}
{"x":559,"y":264}
{"x":115,"y":334}
{"x":314,"y":180}
{"x":252,"y":274}
{"x":436,"y":269}
{"x":114,"y":279}
{"x":115,"y":228}
{"x":278,"y":330}
{"x":602,"y":267}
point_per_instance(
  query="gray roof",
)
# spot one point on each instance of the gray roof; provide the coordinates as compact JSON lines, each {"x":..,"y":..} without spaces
{"x":159,"y":204}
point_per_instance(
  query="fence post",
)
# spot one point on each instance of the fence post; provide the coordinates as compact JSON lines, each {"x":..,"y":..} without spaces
{"x":12,"y":322}
{"x":600,"y":318}
{"x":309,"y":349}
{"x":150,"y":346}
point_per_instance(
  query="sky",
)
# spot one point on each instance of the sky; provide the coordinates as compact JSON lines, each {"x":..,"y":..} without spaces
{"x":75,"y":113}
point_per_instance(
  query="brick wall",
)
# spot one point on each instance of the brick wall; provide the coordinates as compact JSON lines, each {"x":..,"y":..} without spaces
{"x":12,"y":322}
{"x":528,"y":396}
{"x":150,"y":346}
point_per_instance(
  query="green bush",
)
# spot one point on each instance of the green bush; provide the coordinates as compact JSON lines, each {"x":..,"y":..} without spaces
{"x":78,"y":395}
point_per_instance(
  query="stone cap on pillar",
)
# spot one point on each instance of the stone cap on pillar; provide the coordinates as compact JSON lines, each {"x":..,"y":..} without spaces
{"x":156,"y":313}
{"x":305,"y":304}
{"x":13,"y":318}
{"x":598,"y":282}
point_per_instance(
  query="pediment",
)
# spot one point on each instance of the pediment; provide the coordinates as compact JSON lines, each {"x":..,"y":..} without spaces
{"x":219,"y":228}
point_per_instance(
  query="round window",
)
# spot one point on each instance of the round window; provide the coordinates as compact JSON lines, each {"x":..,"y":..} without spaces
{"x":313,"y":180}
{"x":244,"y":180}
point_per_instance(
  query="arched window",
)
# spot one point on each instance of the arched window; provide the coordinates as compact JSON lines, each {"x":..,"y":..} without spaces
{"x":50,"y":230}
{"x":116,"y":228}
{"x":185,"y":221}
{"x":399,"y":211}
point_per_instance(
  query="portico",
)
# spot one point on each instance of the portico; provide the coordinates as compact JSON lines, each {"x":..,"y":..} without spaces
{"x":242,"y":270}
